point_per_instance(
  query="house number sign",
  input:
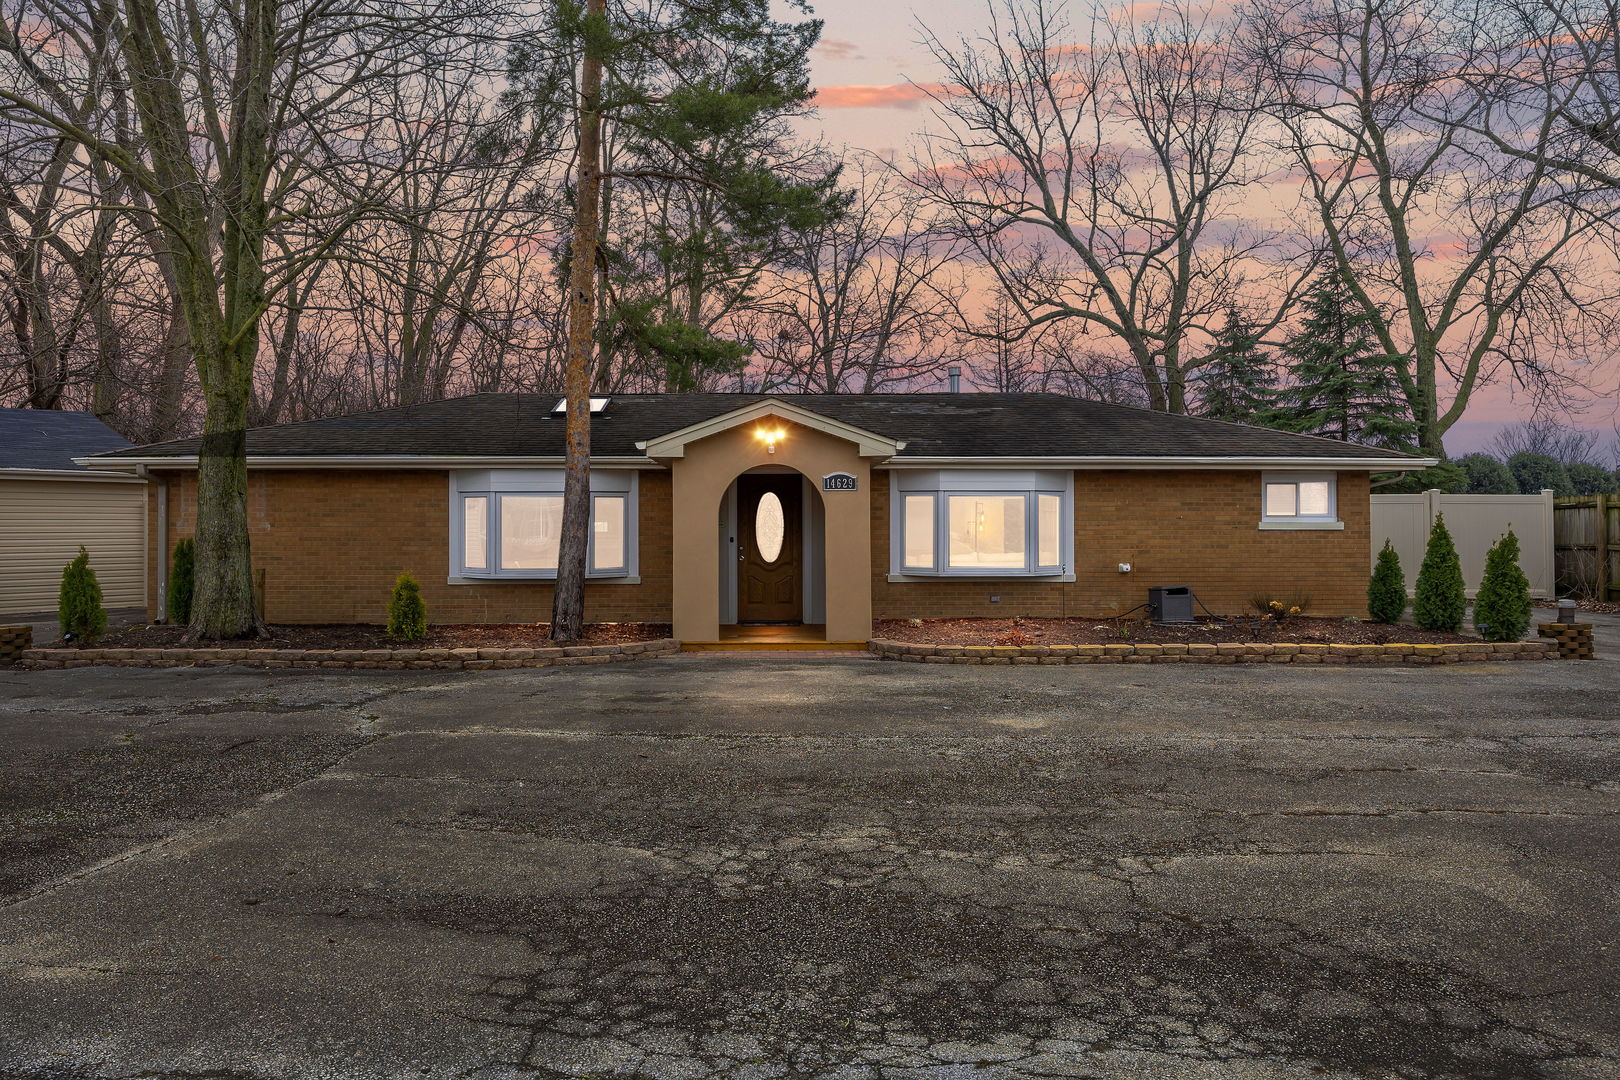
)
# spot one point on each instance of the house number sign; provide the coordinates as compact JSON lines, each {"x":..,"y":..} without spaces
{"x":839,"y":481}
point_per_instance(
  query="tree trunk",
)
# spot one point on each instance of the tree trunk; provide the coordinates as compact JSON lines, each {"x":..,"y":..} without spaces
{"x":568,"y":602}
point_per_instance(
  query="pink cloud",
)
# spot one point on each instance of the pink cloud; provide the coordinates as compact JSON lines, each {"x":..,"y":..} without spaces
{"x":902,"y":96}
{"x":833,"y":49}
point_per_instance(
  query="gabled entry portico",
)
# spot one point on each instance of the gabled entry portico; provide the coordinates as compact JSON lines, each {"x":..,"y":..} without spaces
{"x":748,"y":455}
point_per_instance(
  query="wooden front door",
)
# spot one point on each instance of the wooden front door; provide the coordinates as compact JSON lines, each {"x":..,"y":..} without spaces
{"x":770,"y":584}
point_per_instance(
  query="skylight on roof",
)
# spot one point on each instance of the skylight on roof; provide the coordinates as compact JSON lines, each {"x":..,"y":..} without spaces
{"x":598,"y":404}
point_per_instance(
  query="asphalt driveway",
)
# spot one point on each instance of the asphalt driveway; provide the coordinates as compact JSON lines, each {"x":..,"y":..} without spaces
{"x":752,"y":867}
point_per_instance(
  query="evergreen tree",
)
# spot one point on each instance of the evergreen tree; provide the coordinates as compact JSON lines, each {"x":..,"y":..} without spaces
{"x":1533,"y":472}
{"x":1585,"y":479}
{"x":1340,"y":383}
{"x":1440,"y":598}
{"x":182,"y":582}
{"x":1487,"y":476}
{"x":1386,"y":592}
{"x":407,"y":614}
{"x":1502,"y":606}
{"x":695,"y":97}
{"x":78,"y":606}
{"x":1237,"y":381}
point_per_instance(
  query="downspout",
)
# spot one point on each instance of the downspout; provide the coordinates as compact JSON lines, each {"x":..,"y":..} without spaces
{"x":161,"y":544}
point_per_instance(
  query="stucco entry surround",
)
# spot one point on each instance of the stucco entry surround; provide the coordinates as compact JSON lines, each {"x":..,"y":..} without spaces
{"x":705,"y":468}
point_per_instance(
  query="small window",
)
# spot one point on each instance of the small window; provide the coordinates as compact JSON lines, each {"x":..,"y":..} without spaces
{"x":475,"y":532}
{"x":1298,"y":498}
{"x":609,"y":534}
{"x":918,"y":538}
{"x":1048,"y":526}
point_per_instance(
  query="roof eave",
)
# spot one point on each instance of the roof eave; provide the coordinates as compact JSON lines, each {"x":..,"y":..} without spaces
{"x":131,"y":464}
{"x":1180,"y":461}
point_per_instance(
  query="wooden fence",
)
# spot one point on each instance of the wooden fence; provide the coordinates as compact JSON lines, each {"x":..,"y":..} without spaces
{"x":1586,"y":546}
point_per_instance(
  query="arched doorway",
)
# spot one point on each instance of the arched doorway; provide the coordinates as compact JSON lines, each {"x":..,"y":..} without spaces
{"x":772,"y":551}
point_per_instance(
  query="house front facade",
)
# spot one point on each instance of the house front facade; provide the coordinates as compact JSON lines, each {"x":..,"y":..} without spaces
{"x":823,"y":512}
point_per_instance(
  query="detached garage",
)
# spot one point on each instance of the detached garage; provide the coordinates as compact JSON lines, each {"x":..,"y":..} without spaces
{"x":49,"y":506}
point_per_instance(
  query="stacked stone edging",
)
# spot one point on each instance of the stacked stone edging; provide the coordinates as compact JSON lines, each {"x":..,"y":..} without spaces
{"x":1239,"y":652}
{"x":389,"y":659}
{"x":14,"y":642}
{"x":1572,"y":640}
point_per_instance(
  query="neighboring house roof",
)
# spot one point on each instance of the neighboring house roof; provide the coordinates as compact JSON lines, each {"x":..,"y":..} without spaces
{"x":929,"y":427}
{"x":49,"y":439}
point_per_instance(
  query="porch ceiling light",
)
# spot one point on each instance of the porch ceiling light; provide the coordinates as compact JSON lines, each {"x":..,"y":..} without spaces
{"x":770,"y":437}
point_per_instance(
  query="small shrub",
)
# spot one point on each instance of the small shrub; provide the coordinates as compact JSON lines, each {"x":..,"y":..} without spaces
{"x":1386,"y":591}
{"x":1502,"y":607}
{"x":182,"y":581}
{"x":78,"y":605}
{"x":407,"y":614}
{"x":1440,"y":598}
{"x":1271,"y":609}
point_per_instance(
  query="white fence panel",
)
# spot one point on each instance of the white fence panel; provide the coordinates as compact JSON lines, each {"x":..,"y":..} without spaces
{"x":1475,"y":521}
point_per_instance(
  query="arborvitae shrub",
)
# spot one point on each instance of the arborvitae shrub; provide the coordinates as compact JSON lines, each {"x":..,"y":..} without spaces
{"x":407,"y":614}
{"x":1386,"y":591}
{"x":78,"y":605}
{"x":1440,"y":600}
{"x":182,"y":581}
{"x":1502,"y":606}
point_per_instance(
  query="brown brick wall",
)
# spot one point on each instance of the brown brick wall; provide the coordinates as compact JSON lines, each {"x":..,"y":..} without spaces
{"x":332,"y":542}
{"x":1177,"y":528}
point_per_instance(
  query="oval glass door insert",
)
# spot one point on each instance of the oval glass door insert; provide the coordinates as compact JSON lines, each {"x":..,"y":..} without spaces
{"x":769,"y":525}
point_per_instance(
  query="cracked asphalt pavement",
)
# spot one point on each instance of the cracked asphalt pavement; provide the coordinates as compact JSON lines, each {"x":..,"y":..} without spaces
{"x":760,"y":867}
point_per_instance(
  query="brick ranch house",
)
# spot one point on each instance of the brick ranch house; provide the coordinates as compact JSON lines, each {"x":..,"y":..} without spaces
{"x":713,"y":510}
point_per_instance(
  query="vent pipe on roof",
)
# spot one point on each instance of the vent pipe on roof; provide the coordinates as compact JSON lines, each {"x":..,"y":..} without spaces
{"x":955,"y":372}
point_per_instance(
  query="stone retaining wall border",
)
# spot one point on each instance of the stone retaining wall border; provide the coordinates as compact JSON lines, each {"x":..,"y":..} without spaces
{"x":14,"y":641}
{"x":1220,"y":653}
{"x":1573,"y":640}
{"x":387,"y":659}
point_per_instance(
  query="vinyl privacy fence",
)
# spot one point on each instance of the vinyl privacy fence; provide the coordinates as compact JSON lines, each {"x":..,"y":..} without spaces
{"x":1475,"y":521}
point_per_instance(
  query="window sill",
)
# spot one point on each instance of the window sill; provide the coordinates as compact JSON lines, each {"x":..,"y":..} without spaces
{"x":982,"y":577}
{"x":1303,"y":526}
{"x":510,"y":579}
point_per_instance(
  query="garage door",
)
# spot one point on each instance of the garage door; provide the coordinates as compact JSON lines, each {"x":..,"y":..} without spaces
{"x":42,"y":524}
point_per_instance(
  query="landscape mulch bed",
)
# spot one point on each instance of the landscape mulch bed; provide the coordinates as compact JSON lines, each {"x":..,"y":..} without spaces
{"x":1301,"y":629}
{"x":359,"y":636}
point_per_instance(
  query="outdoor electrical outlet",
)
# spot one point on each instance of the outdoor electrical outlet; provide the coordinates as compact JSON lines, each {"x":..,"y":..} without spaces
{"x":995,"y":599}
{"x":1124,"y":567}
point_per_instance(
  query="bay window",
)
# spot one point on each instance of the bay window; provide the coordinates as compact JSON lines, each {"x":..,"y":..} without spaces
{"x":981,"y":523}
{"x":507,"y":523}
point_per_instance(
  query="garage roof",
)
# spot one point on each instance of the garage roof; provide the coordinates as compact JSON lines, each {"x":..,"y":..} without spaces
{"x":49,"y":439}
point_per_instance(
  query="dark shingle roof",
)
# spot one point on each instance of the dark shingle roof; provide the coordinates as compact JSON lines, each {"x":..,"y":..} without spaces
{"x":49,"y":439}
{"x":931,"y":425}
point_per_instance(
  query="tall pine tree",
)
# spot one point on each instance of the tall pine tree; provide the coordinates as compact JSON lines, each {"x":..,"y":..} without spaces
{"x":695,"y":96}
{"x":1237,"y":380}
{"x":1340,"y":383}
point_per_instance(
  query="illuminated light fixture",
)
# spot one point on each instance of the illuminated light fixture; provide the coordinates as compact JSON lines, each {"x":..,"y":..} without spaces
{"x":770,"y":437}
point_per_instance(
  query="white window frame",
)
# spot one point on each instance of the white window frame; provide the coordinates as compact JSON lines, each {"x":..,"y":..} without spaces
{"x":1301,"y":522}
{"x":941,"y":484}
{"x":491,"y":484}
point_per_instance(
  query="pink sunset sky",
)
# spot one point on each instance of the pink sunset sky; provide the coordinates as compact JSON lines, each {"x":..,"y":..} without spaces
{"x":868,"y":68}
